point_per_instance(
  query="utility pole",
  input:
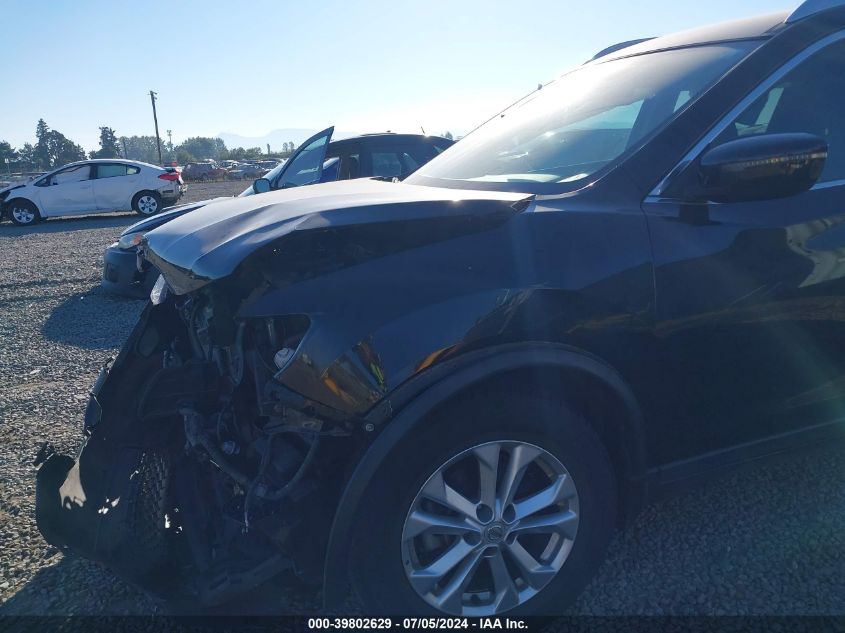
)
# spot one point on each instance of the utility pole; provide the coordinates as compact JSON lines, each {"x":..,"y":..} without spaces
{"x":125,"y":153}
{"x":170,"y":140}
{"x":155,"y":118}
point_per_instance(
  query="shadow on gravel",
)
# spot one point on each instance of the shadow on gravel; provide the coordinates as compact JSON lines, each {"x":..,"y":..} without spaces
{"x":58,"y":225}
{"x":93,"y":320}
{"x":74,"y":586}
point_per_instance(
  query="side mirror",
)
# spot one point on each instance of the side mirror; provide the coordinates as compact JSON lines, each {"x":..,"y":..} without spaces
{"x":762,"y":167}
{"x":262,"y":185}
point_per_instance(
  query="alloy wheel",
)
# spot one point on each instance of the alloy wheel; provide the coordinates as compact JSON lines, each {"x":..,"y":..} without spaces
{"x":490,"y":528}
{"x":147,"y":205}
{"x":24,"y":215}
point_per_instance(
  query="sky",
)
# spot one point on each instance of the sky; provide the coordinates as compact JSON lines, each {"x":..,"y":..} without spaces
{"x":251,"y":67}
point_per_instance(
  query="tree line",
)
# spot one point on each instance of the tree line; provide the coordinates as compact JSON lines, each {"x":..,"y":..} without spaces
{"x":53,"y":149}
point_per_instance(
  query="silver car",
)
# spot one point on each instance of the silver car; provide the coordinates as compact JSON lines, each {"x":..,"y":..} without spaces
{"x":93,"y":186}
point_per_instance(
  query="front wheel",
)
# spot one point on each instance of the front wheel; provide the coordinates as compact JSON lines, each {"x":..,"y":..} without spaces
{"x":23,"y":213}
{"x":146,"y":203}
{"x":500,"y":505}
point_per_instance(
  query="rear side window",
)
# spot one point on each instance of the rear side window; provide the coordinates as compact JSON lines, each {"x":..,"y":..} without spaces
{"x":110,"y":171}
{"x":386,"y":164}
{"x":132,"y":170}
{"x":400,"y":160}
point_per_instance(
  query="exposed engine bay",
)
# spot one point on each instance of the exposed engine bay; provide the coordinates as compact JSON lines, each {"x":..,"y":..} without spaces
{"x":222,"y":440}
{"x":200,"y":472}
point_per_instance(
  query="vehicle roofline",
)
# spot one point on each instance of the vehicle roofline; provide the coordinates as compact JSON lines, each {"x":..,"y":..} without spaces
{"x":618,"y":46}
{"x":812,"y":8}
{"x":389,"y":135}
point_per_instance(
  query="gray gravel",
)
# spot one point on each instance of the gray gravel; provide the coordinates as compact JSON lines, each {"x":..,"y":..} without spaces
{"x":766,"y":540}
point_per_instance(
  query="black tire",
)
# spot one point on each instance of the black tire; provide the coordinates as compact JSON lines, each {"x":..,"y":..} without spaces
{"x":146,"y":203}
{"x":23,"y":209}
{"x":376,"y":566}
{"x":146,"y":500}
{"x":204,"y":177}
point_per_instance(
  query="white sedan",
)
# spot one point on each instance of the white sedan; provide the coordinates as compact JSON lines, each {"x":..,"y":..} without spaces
{"x":93,"y":186}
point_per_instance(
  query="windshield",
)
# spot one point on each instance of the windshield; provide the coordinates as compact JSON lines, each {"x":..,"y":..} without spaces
{"x":557,"y":137}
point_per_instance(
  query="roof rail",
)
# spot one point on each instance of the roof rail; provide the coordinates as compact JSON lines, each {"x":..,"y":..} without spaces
{"x":811,"y":7}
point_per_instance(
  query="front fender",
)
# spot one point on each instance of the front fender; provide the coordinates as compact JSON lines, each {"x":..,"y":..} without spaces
{"x":424,"y":394}
{"x":378,"y":324}
{"x":30,"y":197}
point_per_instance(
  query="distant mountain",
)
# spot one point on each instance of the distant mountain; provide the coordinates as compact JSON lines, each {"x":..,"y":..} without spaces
{"x":276,"y":138}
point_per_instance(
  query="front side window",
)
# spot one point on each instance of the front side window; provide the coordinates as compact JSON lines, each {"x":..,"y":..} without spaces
{"x":350,"y":166}
{"x":809,"y":99}
{"x":331,"y":169}
{"x":556,"y":138}
{"x":77,"y":173}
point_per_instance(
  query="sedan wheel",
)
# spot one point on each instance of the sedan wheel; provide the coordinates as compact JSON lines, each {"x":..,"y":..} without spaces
{"x":23,"y":213}
{"x":147,"y":203}
{"x":490,"y":528}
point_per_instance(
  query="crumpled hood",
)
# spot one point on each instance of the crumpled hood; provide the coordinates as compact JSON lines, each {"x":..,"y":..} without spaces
{"x":14,"y":185}
{"x":211,"y":242}
{"x":155,"y":221}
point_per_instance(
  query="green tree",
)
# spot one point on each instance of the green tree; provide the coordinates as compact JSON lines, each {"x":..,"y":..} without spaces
{"x":27,"y":157}
{"x":42,"y":151}
{"x":7,"y":151}
{"x":142,"y":148}
{"x":108,"y":144}
{"x":448,"y":135}
{"x":203,"y":147}
{"x":183,"y":156}
{"x":236,"y":153}
{"x":62,"y":150}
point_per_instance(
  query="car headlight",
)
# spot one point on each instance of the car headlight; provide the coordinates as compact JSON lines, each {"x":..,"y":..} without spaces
{"x":130,"y":240}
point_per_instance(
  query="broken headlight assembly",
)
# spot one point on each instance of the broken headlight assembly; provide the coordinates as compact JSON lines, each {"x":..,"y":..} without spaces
{"x":129,"y":240}
{"x":159,"y":292}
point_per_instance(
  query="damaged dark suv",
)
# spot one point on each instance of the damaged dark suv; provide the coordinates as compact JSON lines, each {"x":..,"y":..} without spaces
{"x":447,"y":393}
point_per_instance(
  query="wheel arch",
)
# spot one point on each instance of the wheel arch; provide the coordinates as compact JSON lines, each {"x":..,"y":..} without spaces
{"x":586,"y":381}
{"x":7,"y":205}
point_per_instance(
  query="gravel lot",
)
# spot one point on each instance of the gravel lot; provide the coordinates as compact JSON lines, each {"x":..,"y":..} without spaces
{"x":766,"y":540}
